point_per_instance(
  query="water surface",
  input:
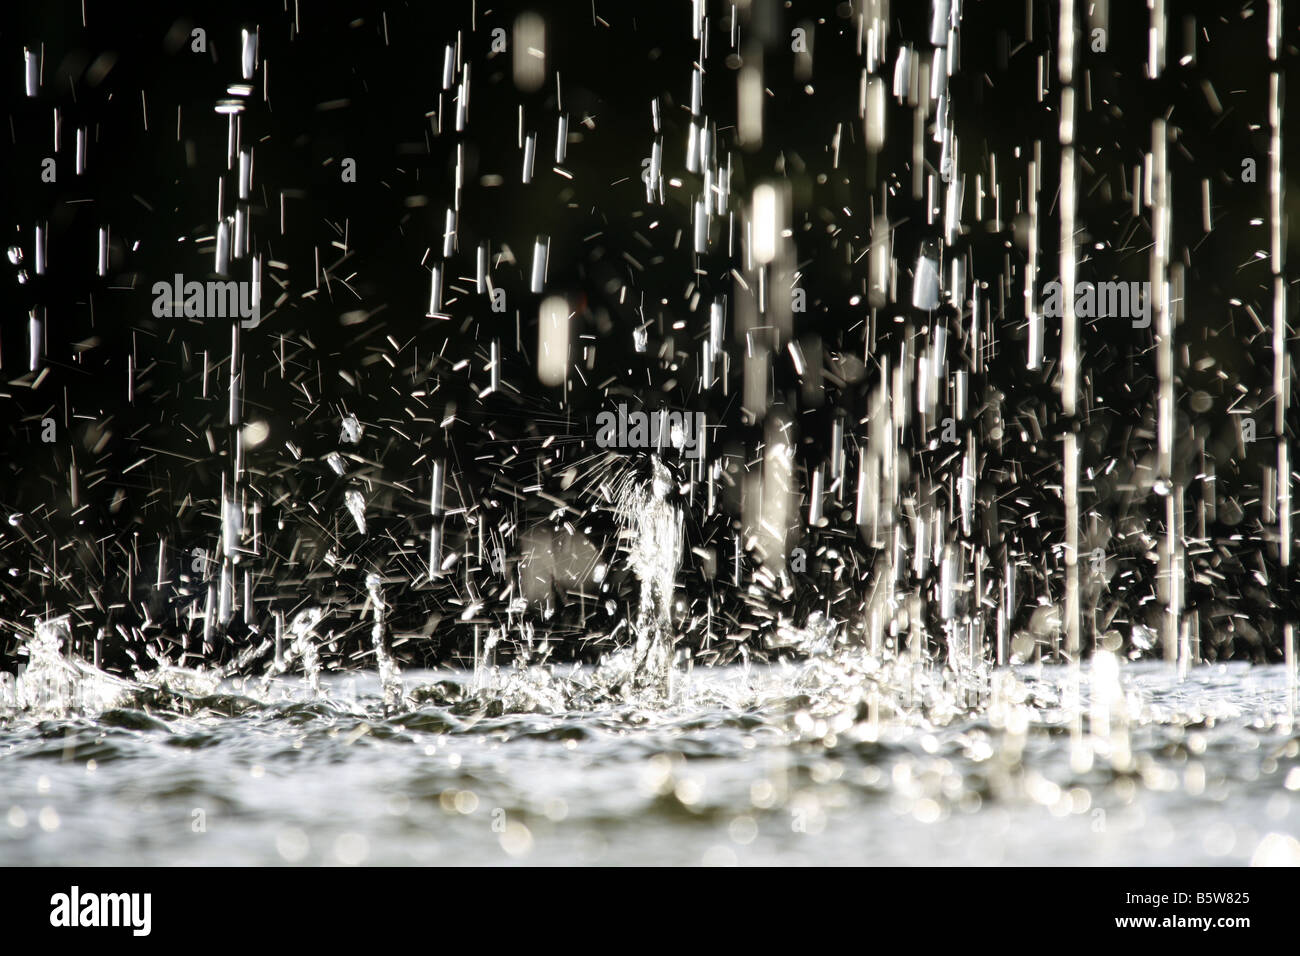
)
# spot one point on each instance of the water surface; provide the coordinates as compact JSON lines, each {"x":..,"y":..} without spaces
{"x":837,"y":760}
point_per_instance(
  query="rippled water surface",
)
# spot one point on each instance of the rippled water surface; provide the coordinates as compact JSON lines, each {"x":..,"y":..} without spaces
{"x":834,"y":760}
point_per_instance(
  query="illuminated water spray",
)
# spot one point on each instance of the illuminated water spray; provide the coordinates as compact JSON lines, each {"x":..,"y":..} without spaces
{"x":653,"y":526}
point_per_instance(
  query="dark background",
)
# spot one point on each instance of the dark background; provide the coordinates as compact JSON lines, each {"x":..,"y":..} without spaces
{"x":360,"y":80}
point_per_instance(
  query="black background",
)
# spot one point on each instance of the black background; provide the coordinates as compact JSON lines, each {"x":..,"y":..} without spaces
{"x":377,"y":67}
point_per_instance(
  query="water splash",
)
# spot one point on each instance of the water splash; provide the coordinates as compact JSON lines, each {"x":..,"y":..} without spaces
{"x":653,"y":529}
{"x":939,"y":538}
{"x":54,"y":681}
{"x":389,"y":675}
{"x":304,"y":645}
